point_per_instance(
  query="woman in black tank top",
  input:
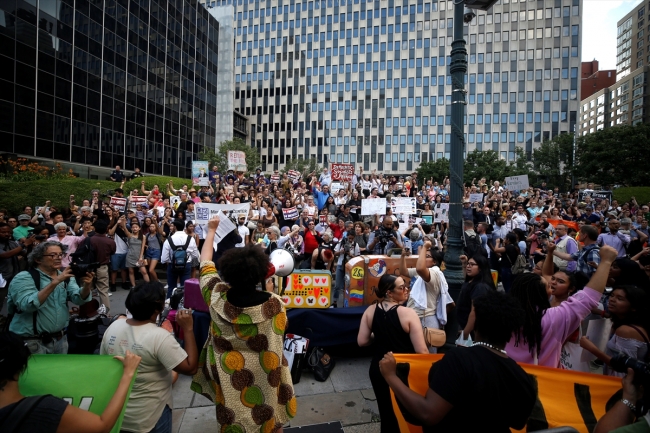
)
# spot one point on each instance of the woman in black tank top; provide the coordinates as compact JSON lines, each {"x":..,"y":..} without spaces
{"x":389,"y":327}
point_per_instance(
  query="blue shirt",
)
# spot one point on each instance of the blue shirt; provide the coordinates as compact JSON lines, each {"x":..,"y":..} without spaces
{"x":52,"y":315}
{"x":320,"y":198}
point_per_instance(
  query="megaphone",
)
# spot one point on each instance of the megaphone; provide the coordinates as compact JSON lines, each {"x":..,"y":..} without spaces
{"x":280,"y":263}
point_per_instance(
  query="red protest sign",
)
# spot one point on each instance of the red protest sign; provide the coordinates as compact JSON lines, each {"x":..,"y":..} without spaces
{"x":342,"y":172}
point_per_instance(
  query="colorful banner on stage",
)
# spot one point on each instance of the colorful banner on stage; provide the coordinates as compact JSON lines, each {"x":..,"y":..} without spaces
{"x":84,"y":381}
{"x":565,"y":398}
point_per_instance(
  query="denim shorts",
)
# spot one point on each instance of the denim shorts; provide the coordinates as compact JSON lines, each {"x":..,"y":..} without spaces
{"x":152,"y":254}
{"x":118,"y":262}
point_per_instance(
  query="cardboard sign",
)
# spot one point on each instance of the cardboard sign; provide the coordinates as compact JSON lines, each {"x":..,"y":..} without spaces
{"x":342,"y":172}
{"x":517,"y":183}
{"x":476,"y":198}
{"x":290,"y":213}
{"x":441,"y":213}
{"x":294,"y":175}
{"x":372,"y":206}
{"x":563,"y":396}
{"x":236,"y":160}
{"x":119,"y":204}
{"x":200,"y":172}
{"x":308,"y":289}
{"x":135,"y":200}
{"x":597,"y":196}
{"x":205,"y":211}
{"x":403,"y":205}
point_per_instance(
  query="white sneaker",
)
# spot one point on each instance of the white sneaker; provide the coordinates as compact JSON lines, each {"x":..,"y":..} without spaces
{"x":110,"y":294}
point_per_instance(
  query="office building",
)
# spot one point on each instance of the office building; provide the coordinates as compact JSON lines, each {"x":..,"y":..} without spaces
{"x":632,"y":40}
{"x":368,"y":82}
{"x":594,"y":80}
{"x":624,"y":103}
{"x":101,"y":83}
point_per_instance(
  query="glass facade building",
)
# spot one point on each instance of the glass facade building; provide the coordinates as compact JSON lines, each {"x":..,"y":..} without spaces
{"x":367,"y":81}
{"x":108,"y":82}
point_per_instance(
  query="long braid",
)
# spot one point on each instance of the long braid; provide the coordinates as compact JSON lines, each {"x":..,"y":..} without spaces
{"x":530,"y":290}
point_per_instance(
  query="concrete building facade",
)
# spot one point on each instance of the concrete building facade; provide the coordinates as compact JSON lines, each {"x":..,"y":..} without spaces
{"x":633,"y":39}
{"x":368,"y":83}
{"x":594,"y":80}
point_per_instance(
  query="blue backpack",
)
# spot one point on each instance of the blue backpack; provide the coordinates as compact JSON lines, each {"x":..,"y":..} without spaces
{"x":179,"y":254}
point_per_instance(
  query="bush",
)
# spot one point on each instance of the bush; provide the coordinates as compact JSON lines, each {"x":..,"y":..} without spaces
{"x":17,"y":195}
{"x":22,"y":170}
{"x":641,"y":193}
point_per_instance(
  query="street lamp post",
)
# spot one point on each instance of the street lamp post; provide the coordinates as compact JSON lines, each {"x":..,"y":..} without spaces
{"x":458,"y":69}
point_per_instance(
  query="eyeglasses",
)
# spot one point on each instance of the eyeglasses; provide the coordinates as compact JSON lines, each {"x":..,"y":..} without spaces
{"x":471,"y":264}
{"x":55,"y":255}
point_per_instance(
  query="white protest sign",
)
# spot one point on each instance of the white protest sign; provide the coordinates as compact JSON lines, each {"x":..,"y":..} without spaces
{"x":441,"y":213}
{"x":476,"y":198}
{"x":135,"y":200}
{"x":403,"y":205}
{"x":294,"y":175}
{"x":236,"y":160}
{"x":174,"y":201}
{"x":205,"y":211}
{"x":517,"y":183}
{"x":372,"y":206}
{"x":225,"y":227}
{"x":336,"y":186}
{"x":118,"y":203}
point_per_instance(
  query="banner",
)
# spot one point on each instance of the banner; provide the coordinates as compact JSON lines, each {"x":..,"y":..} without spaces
{"x":294,"y":175}
{"x":441,"y":213}
{"x":372,"y":206}
{"x":236,"y":160}
{"x":205,"y":211}
{"x":403,"y":205}
{"x":85,"y":381}
{"x":135,"y":200}
{"x":565,"y":398}
{"x":200,"y":173}
{"x":476,"y":198}
{"x":568,"y":224}
{"x":290,"y":213}
{"x":517,"y":183}
{"x":119,"y":204}
{"x":342,"y":172}
{"x":597,"y":196}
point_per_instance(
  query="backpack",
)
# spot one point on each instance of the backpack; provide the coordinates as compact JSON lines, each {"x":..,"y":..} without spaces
{"x":179,"y":254}
{"x":519,"y":266}
{"x":84,"y":255}
{"x":473,"y":245}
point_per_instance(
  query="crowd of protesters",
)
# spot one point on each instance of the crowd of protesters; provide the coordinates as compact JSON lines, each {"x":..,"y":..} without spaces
{"x":561,"y":258}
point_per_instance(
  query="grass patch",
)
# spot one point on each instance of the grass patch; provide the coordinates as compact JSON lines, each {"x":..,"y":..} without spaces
{"x":641,"y":193}
{"x":17,"y":195}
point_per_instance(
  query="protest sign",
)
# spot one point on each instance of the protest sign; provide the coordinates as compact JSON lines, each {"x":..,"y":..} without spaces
{"x":322,"y":219}
{"x":563,"y":396}
{"x":84,"y":381}
{"x":428,"y":219}
{"x":403,"y":205}
{"x":290,"y":213}
{"x":294,"y":175}
{"x":225,"y":227}
{"x":342,"y":172}
{"x":135,"y":200}
{"x":476,"y":198}
{"x":119,"y":204}
{"x":441,"y":213}
{"x":517,"y":183}
{"x":275,"y":178}
{"x":174,"y":201}
{"x":597,"y":196}
{"x":236,"y":160}
{"x":372,"y":206}
{"x":336,"y":186}
{"x":205,"y":211}
{"x":200,"y":173}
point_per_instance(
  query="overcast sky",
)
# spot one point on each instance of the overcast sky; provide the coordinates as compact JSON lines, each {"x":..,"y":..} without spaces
{"x":599,"y":29}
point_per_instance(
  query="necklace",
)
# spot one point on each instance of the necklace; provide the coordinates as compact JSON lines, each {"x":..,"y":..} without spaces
{"x":480,"y":343}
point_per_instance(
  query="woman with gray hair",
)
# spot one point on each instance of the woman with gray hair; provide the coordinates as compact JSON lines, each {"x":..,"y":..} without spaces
{"x":273,"y":234}
{"x":72,"y":242}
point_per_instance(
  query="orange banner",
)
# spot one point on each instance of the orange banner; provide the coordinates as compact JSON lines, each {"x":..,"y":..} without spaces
{"x":564,"y":397}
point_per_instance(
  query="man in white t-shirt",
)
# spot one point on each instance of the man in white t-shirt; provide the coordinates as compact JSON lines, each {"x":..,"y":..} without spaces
{"x":244,"y":232}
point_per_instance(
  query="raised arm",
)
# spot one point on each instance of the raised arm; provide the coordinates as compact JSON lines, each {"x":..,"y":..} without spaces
{"x":206,"y":250}
{"x":421,"y":265}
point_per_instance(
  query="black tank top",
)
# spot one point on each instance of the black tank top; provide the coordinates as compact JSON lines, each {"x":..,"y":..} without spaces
{"x":389,"y":334}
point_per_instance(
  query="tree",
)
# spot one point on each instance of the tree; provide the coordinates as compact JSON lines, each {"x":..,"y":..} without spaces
{"x":521,"y":166}
{"x":220,"y":156}
{"x":614,"y":156}
{"x":553,"y":160}
{"x":304,"y":166}
{"x":438,"y":170}
{"x":485,"y":164}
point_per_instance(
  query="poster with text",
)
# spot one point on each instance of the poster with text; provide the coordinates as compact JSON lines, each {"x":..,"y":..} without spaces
{"x":135,"y":200}
{"x":119,"y":204}
{"x":517,"y":183}
{"x":441,"y":213}
{"x":200,"y":173}
{"x":205,"y":211}
{"x":403,"y":205}
{"x":342,"y":172}
{"x":476,"y":198}
{"x":236,"y":160}
{"x":290,"y":213}
{"x":294,"y":175}
{"x":372,"y":206}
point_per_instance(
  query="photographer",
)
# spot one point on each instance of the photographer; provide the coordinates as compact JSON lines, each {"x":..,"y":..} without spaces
{"x":380,"y":238}
{"x":624,"y":411}
{"x":39,"y":299}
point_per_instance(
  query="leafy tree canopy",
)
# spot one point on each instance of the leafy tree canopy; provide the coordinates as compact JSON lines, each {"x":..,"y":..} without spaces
{"x":220,"y":156}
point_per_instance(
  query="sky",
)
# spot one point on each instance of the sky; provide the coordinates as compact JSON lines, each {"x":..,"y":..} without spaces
{"x":599,"y":29}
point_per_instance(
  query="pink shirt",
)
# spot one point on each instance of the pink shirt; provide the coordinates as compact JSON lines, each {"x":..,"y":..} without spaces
{"x":72,"y":242}
{"x":557,"y":323}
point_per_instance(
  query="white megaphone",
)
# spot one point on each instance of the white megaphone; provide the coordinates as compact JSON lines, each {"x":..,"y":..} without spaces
{"x":281,"y":263}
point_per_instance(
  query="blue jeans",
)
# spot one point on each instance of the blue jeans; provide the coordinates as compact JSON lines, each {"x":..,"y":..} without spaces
{"x":53,"y":347}
{"x":173,"y":275}
{"x":164,"y":424}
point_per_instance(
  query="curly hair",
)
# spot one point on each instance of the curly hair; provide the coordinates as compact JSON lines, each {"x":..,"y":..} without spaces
{"x":145,"y":299}
{"x":639,"y":313}
{"x":244,"y":267}
{"x":530,"y":291}
{"x":498,"y":316}
{"x":37,"y":254}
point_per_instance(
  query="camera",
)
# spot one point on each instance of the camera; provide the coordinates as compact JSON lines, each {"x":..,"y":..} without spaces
{"x":535,"y":224}
{"x":40,"y":237}
{"x":542,"y":234}
{"x":80,"y":270}
{"x":621,"y":362}
{"x":383,"y":235}
{"x":468,"y":15}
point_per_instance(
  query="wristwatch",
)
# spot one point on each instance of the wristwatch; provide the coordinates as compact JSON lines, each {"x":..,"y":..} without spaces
{"x":629,"y":404}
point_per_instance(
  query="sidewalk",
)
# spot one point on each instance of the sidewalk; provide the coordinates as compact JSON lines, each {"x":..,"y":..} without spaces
{"x":346,"y":396}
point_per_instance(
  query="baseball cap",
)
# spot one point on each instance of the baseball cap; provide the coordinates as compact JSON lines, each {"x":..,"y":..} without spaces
{"x":23,"y":217}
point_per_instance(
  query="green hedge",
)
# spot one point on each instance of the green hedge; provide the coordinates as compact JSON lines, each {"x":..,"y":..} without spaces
{"x":16,"y":195}
{"x":641,"y":193}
